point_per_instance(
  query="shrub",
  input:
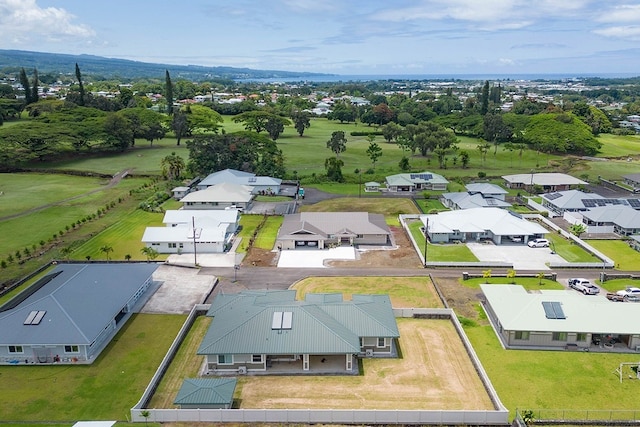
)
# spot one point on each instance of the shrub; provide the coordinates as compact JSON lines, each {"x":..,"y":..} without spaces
{"x":482,"y":174}
{"x":3,"y":264}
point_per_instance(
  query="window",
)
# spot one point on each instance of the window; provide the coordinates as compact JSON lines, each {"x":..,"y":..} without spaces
{"x":225,"y":359}
{"x":581,"y":337}
{"x":381,"y":342}
{"x":172,"y":245}
{"x":559,"y":336}
{"x":522,"y":335}
{"x":71,"y":349}
{"x":361,"y":341}
{"x":15,"y":349}
{"x":256,"y":358}
{"x":181,"y":246}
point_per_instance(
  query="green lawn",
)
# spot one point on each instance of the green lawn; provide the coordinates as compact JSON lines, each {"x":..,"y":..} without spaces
{"x":620,"y":252}
{"x":29,"y":230}
{"x":619,"y":145}
{"x":430,"y":205}
{"x":619,"y":284}
{"x":553,"y":379}
{"x":23,"y":191}
{"x":529,"y":283}
{"x":438,"y":252}
{"x":266,"y":238}
{"x":105,"y":390}
{"x":381,"y":205}
{"x":570,"y":251}
{"x":123,"y":236}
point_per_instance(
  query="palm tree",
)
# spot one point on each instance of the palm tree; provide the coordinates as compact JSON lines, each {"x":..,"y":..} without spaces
{"x":127,"y":257}
{"x":172,"y":166}
{"x":106,"y":249}
{"x":150,"y":253}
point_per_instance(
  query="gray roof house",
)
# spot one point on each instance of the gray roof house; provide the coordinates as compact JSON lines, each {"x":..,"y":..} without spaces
{"x":481,"y":195}
{"x":416,"y":181}
{"x":322,"y":229}
{"x":632,"y":180}
{"x":561,"y":319}
{"x":259,"y":184}
{"x":620,"y":219}
{"x":477,"y":224}
{"x":206,"y":393}
{"x":220,"y":196}
{"x":548,"y":181}
{"x":270,"y":332}
{"x":72,"y":313}
{"x":577,"y":201}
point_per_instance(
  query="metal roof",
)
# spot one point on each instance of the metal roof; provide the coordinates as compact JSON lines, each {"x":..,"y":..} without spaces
{"x":239,"y":177}
{"x":242,"y":323}
{"x":468,"y":201}
{"x":485,"y":188}
{"x":79,"y":303}
{"x":543,"y":179}
{"x":333,"y":223}
{"x":415,"y":178}
{"x":206,"y":391}
{"x":186,"y":216}
{"x":519,"y":310}
{"x":225,"y":193}
{"x":621,"y":215}
{"x":499,"y":221}
{"x":184,"y":234}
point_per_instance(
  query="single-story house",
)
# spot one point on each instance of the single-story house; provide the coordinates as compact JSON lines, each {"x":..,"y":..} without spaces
{"x":178,"y":240}
{"x":481,"y":195}
{"x":416,"y":181}
{"x":371,"y":187}
{"x":322,"y":229}
{"x":634,"y":242}
{"x":577,"y":201}
{"x":632,"y":180}
{"x":548,"y":181}
{"x":179,"y":192}
{"x":206,"y":393}
{"x":260,"y":184}
{"x":186,"y":218}
{"x":560,"y":319}
{"x":220,"y":196}
{"x":620,"y":219}
{"x":271,"y":332}
{"x":72,"y":313}
{"x":477,"y":224}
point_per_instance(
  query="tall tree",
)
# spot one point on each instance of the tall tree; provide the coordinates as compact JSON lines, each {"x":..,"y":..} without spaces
{"x":168,"y":90}
{"x":172,"y":166}
{"x":374,"y":152}
{"x":34,"y":88}
{"x":180,"y":125}
{"x":80,"y":86}
{"x":24,"y":81}
{"x":484,"y":98}
{"x":337,"y":143}
{"x":301,"y":121}
{"x":333,"y":165}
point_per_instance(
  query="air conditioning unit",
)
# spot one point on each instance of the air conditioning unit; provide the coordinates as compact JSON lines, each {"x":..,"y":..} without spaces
{"x":368,"y":352}
{"x":242,"y":369}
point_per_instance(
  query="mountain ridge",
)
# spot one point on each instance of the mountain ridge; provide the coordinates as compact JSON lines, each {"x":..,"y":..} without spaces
{"x":62,"y":63}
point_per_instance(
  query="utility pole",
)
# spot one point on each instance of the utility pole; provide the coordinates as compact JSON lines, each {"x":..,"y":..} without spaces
{"x":426,"y":241}
{"x":195,"y":252}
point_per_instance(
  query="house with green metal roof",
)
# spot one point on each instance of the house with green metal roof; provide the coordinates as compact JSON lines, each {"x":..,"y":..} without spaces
{"x":71,"y":314}
{"x":416,"y":181}
{"x":270,"y":332}
{"x":206,"y":393}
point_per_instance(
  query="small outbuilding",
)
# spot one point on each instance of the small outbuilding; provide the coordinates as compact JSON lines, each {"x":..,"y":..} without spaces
{"x":206,"y":393}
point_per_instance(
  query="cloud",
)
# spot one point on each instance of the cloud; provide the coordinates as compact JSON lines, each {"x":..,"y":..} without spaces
{"x":539,"y":46}
{"x":622,"y":13}
{"x":292,"y":49}
{"x":631,"y":32}
{"x":21,"y":21}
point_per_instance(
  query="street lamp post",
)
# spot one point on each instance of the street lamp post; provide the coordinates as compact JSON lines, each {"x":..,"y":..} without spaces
{"x":426,"y":241}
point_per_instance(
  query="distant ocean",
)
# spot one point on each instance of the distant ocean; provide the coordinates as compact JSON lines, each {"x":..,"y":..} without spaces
{"x":332,"y":78}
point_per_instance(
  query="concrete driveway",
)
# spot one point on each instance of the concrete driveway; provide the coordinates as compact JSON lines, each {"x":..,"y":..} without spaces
{"x":521,"y":256}
{"x":180,"y":290}
{"x":313,"y":258}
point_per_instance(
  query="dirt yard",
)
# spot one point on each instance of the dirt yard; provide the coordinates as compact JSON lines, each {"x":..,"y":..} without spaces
{"x":463,"y":300}
{"x":433,"y":373}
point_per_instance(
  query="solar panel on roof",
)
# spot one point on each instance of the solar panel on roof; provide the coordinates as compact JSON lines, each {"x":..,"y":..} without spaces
{"x":553,"y":310}
{"x":276,"y":322}
{"x":553,"y":196}
{"x":588,"y":203}
{"x":491,"y":202}
{"x":287,"y":320}
{"x":424,"y":176}
{"x":634,"y":203}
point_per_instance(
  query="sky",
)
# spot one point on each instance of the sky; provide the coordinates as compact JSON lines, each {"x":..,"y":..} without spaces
{"x":348,"y":37}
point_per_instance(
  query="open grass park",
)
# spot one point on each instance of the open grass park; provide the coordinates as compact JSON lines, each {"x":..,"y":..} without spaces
{"x":55,"y":216}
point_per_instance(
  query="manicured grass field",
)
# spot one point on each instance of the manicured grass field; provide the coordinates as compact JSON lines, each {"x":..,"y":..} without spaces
{"x":23,"y":191}
{"x":123,"y":236}
{"x":385,"y":206}
{"x":28,"y":230}
{"x":430,"y":205}
{"x":266,"y":237}
{"x":619,"y":284}
{"x":619,"y":145}
{"x":105,"y":390}
{"x":620,"y":252}
{"x":553,"y":379}
{"x":438,"y":252}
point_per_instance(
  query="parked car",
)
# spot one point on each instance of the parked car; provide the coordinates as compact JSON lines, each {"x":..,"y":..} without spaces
{"x":584,"y":286}
{"x":612,"y":296}
{"x":630,"y":294}
{"x":538,"y":243}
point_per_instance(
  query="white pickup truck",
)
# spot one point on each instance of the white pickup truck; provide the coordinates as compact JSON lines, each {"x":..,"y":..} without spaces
{"x":584,"y":286}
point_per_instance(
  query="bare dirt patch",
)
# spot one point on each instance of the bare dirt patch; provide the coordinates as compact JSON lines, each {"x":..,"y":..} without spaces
{"x":401,"y":255}
{"x":435,"y":372}
{"x":463,"y":300}
{"x":257,"y":257}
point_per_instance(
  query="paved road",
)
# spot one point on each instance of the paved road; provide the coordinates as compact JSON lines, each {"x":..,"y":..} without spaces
{"x":282,"y":278}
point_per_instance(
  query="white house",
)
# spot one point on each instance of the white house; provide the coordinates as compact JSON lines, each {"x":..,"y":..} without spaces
{"x":220,"y":196}
{"x":259,"y":184}
{"x":204,"y":218}
{"x":416,"y":181}
{"x":176,"y":240}
{"x":477,"y":224}
{"x":548,"y":181}
{"x":481,"y":195}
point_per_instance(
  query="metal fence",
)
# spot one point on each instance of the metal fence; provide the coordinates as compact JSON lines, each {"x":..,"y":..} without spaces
{"x":581,"y":416}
